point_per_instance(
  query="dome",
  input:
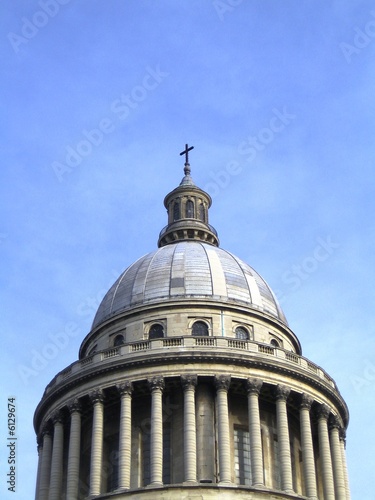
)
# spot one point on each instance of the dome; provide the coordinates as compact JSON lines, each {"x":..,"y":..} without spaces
{"x":185,"y":270}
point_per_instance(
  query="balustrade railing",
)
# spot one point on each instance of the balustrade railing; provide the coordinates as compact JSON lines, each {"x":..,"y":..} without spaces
{"x":188,"y":343}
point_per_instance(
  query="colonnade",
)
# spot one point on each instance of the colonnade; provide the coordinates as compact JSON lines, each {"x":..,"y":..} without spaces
{"x":331,"y":439}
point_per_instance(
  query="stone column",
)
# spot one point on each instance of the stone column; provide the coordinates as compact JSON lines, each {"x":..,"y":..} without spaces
{"x":325,"y":453}
{"x":45,"y":468}
{"x":307,"y":447}
{"x":338,"y":471}
{"x":74,"y":450}
{"x":189,"y":383}
{"x":40,"y":453}
{"x":222,"y":383}
{"x":206,"y":442}
{"x":344,"y":465}
{"x":96,"y":442}
{"x":256,"y":452}
{"x":125,"y":438}
{"x":285,"y":463}
{"x":156,"y":385}
{"x":55,"y":486}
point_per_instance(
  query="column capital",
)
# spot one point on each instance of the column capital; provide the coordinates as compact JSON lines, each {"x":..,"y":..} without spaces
{"x":343,"y":434}
{"x":74,"y":406}
{"x":323,"y":412}
{"x":156,"y":383}
{"x":189,"y":381}
{"x":254,"y":385}
{"x":125,"y":387}
{"x":282,"y":392}
{"x":334,"y":423}
{"x":306,"y":401}
{"x":96,"y":396}
{"x":222,"y":382}
{"x":57,"y":417}
{"x":46,"y":430}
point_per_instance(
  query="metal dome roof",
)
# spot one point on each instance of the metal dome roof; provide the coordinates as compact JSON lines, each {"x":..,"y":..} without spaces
{"x":188,"y":269}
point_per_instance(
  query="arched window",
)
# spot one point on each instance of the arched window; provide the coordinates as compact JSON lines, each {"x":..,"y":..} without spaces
{"x":200,"y":329}
{"x":274,"y":343}
{"x":93,"y":350}
{"x":202,"y":214}
{"x":242,"y":333}
{"x":189,"y":209}
{"x":119,"y":340}
{"x":156,"y":331}
{"x":176,"y":211}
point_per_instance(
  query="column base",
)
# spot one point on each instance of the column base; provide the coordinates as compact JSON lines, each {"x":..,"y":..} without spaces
{"x":121,"y":488}
{"x":156,"y":484}
{"x":190,"y":483}
{"x":227,"y":483}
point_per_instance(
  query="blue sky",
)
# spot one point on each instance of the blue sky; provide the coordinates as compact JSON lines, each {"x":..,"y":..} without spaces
{"x":99,"y":98}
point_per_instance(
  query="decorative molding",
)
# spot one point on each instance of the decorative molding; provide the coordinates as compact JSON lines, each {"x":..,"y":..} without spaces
{"x":254,"y":385}
{"x":156,"y":383}
{"x":222,"y":382}
{"x":282,"y":392}
{"x":189,"y":381}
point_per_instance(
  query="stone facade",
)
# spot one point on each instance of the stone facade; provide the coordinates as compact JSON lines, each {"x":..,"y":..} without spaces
{"x":193,"y":393}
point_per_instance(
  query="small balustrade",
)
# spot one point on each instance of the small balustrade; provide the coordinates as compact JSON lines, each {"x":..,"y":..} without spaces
{"x":110,"y":353}
{"x":265,"y":349}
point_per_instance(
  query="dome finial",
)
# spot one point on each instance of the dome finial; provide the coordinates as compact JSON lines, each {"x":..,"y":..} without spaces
{"x":186,"y":153}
